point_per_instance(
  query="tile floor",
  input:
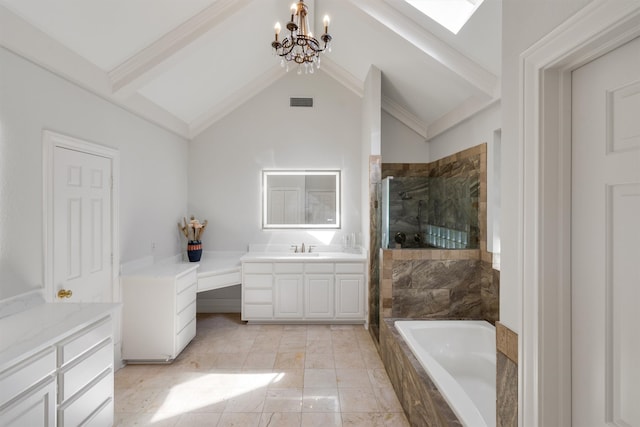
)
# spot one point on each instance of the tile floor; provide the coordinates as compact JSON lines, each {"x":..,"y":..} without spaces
{"x":234,"y":374}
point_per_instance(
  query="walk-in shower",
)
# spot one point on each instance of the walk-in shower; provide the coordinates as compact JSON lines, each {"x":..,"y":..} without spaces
{"x":430,"y":212}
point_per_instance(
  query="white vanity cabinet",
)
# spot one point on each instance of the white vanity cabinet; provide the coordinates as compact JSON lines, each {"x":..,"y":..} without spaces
{"x":287,"y":291}
{"x":56,"y":366}
{"x":85,"y":376}
{"x":159,"y":313}
{"x":257,"y":291}
{"x":319,"y":284}
{"x":319,"y":290}
{"x":350,"y":291}
{"x":28,"y":391}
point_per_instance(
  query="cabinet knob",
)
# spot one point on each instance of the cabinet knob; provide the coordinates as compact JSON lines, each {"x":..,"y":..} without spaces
{"x":64,"y":293}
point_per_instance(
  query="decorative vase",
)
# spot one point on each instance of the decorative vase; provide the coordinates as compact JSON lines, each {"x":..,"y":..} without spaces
{"x":194,"y":250}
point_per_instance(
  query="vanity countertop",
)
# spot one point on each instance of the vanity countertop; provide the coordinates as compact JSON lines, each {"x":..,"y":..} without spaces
{"x":304,"y":256}
{"x":29,"y":331}
{"x":218,"y":262}
{"x":163,"y":269}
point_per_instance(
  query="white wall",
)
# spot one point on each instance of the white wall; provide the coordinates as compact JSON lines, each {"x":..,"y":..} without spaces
{"x":226,"y":160}
{"x":371,"y":144}
{"x":523,"y":23}
{"x":153,"y":183}
{"x":401,"y":144}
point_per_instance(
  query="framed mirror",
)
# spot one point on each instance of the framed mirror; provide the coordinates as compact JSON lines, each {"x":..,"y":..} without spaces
{"x":301,"y":199}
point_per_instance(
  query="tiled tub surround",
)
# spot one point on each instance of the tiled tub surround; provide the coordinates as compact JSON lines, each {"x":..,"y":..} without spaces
{"x":443,"y":284}
{"x":506,"y":376}
{"x":423,"y":404}
{"x":459,"y":357}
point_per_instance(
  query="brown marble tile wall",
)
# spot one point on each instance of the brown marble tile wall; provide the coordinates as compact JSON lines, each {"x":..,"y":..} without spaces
{"x":374,"y":262}
{"x":449,"y":284}
{"x":423,"y":404}
{"x":506,"y":377}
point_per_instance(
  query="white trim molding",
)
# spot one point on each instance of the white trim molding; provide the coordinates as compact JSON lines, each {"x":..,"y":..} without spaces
{"x":51,"y":140}
{"x":545,"y":206}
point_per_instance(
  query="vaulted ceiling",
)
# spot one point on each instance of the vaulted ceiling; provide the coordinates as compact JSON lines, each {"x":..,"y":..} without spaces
{"x":185,"y":64}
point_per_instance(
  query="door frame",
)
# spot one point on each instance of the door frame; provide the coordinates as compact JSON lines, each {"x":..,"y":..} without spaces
{"x":50,"y":141}
{"x":544,"y":259}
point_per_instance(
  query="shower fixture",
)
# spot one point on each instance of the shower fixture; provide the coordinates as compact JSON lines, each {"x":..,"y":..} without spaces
{"x":404,"y":195}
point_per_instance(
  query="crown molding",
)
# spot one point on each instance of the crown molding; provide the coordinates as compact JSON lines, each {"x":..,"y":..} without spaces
{"x":342,"y":76}
{"x":431,"y":45}
{"x":404,"y":116}
{"x":462,"y":112}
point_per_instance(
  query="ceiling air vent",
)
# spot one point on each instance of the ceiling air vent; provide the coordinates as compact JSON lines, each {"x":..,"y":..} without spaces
{"x":300,"y":102}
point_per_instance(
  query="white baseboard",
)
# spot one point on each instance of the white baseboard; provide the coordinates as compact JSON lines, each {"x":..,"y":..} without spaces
{"x":218,"y":305}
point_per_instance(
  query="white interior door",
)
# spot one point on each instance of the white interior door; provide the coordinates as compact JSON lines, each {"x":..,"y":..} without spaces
{"x":82,"y":242}
{"x":605,"y":243}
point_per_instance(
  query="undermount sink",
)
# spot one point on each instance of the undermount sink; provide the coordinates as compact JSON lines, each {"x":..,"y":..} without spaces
{"x":304,"y":254}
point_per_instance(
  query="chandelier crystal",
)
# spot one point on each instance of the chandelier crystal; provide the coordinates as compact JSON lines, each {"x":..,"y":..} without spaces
{"x":300,"y":46}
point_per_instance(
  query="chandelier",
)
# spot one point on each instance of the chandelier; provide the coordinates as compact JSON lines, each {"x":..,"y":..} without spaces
{"x":300,"y":46}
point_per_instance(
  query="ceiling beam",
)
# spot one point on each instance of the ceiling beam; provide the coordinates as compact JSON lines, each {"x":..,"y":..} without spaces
{"x":239,"y":97}
{"x":428,"y":43}
{"x":151,"y":61}
{"x":32,"y":44}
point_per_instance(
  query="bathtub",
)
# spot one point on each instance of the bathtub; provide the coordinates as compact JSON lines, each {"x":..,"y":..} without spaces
{"x":460,"y":358}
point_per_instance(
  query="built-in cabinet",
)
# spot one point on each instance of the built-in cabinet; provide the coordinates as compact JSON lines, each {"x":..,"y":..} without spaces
{"x":303,"y":291}
{"x":159,"y":313}
{"x":66,"y":380}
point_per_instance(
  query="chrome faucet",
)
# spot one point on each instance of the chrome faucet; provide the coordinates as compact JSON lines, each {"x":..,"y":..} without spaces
{"x":302,"y":250}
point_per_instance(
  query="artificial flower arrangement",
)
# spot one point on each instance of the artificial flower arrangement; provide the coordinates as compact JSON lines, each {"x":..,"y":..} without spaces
{"x":193,"y":229}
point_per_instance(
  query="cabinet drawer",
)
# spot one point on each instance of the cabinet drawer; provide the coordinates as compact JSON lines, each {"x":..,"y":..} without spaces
{"x":186,"y":297}
{"x":74,"y":346}
{"x":257,"y":296}
{"x":19,"y":378}
{"x":37,"y":408}
{"x":257,"y":267}
{"x":258,"y":311}
{"x":186,"y":316}
{"x":88,"y":403}
{"x":219,"y":281}
{"x":288,"y":267}
{"x":347,"y":267}
{"x":318,"y":267}
{"x":185,"y":281}
{"x":71,"y":380}
{"x":258,"y":281}
{"x":185,"y":336}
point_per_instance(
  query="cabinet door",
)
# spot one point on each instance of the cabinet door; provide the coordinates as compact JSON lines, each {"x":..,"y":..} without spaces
{"x":318,"y":296}
{"x":34,"y":410}
{"x":349,"y":296}
{"x":288,"y":296}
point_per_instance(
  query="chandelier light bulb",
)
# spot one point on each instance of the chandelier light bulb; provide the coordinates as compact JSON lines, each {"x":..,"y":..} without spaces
{"x":326,"y":23}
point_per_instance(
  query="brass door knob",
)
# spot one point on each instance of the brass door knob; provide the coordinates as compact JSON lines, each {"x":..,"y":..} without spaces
{"x":65,"y":293}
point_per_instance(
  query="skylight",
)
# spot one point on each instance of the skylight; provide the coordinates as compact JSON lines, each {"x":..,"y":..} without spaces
{"x":451,"y":14}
